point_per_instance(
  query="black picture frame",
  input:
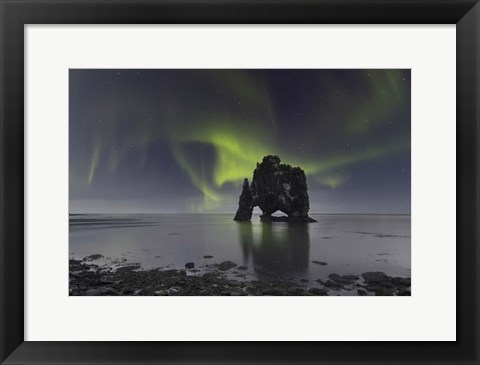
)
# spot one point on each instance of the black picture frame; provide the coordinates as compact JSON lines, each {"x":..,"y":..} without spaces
{"x":17,"y":13}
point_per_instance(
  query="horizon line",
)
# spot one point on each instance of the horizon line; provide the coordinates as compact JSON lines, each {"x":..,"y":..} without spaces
{"x":255,"y":214}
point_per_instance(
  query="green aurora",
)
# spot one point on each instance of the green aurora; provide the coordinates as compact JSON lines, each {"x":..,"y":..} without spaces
{"x":215,"y":125}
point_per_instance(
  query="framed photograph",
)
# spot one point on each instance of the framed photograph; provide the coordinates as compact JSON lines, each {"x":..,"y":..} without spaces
{"x":239,"y":182}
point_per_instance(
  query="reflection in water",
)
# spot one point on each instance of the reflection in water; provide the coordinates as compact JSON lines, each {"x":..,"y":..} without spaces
{"x":350,"y":244}
{"x":276,"y":248}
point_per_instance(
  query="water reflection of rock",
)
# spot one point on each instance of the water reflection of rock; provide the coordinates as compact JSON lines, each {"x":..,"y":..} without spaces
{"x":277,"y":249}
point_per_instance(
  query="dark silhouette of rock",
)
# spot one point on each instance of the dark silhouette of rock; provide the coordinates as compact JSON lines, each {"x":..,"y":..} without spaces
{"x":226,"y":265}
{"x":320,"y":263}
{"x":317,"y":291}
{"x":382,"y":284}
{"x":245,"y":207}
{"x":275,"y":187}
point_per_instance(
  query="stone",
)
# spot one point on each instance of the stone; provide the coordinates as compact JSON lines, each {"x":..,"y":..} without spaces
{"x":109,"y":291}
{"x":190,"y":265}
{"x":403,"y":292}
{"x":93,"y":257}
{"x":318,"y":291}
{"x":105,"y":281}
{"x":128,"y":291}
{"x":295,"y":291}
{"x":377,"y":277}
{"x":101,"y":291}
{"x":382,"y":284}
{"x":93,"y":292}
{"x":343,"y":280}
{"x":402,"y":282}
{"x":275,"y":187}
{"x":273,"y":292}
{"x":130,"y":268}
{"x":238,"y":293}
{"x":382,"y":292}
{"x":226,"y":265}
{"x":333,"y":285}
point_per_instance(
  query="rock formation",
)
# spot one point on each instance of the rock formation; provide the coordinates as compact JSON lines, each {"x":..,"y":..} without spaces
{"x":275,"y":187}
{"x":245,"y":207}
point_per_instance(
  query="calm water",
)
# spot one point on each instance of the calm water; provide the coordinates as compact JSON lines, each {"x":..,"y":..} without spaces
{"x":347,"y":243}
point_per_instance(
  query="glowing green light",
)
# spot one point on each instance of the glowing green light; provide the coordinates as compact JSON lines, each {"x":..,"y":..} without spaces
{"x":196,"y":178}
{"x":240,"y":128}
{"x":333,"y":180}
{"x":93,"y":163}
{"x":383,"y":95}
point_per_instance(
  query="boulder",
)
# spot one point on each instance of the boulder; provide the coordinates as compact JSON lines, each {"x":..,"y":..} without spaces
{"x":226,"y":265}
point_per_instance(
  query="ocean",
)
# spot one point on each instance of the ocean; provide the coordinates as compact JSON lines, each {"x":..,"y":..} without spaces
{"x":337,"y":243}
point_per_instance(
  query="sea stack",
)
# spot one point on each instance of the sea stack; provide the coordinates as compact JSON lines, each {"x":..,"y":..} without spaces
{"x":245,"y":207}
{"x":275,"y":187}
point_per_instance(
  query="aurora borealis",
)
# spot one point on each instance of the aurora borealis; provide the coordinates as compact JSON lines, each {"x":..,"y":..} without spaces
{"x":182,"y":141}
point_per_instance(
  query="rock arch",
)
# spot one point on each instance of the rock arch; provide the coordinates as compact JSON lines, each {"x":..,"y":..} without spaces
{"x":275,"y":187}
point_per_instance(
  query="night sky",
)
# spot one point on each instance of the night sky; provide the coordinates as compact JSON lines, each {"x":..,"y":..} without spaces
{"x":182,"y":141}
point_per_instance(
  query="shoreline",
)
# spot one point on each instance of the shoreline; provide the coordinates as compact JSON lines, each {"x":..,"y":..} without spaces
{"x":89,"y":279}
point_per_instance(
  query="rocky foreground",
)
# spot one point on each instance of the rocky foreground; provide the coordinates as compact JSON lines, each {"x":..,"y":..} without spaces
{"x":87,"y":278}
